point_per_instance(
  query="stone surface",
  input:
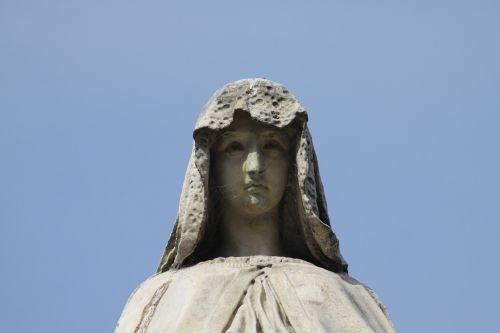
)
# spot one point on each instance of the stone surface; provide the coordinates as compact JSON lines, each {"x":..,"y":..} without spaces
{"x":253,"y":294}
{"x":253,"y":250}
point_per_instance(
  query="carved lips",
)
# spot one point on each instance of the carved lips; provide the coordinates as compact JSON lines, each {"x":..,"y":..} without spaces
{"x":253,"y":187}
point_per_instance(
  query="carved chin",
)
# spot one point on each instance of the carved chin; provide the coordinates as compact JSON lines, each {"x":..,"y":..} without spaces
{"x":257,"y":204}
{"x":255,"y":200}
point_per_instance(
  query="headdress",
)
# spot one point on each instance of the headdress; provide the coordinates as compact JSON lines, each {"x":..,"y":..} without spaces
{"x":305,"y":228}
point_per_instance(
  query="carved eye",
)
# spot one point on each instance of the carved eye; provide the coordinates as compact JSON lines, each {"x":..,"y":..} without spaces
{"x":272,"y":145}
{"x":234,"y":147}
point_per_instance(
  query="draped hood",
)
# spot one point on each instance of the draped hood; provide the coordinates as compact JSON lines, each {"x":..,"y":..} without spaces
{"x":305,"y":226}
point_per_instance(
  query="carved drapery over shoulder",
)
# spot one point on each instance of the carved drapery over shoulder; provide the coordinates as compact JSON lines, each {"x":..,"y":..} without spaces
{"x":258,"y":294}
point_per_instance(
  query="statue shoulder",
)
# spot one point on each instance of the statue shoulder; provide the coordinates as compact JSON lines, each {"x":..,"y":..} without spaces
{"x":147,"y":292}
{"x":312,"y":283}
{"x":369,"y":291}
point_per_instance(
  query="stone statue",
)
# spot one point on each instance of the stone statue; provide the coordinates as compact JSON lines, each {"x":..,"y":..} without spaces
{"x":252,"y":249}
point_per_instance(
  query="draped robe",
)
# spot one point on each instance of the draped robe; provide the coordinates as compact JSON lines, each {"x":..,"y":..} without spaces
{"x":258,"y":294}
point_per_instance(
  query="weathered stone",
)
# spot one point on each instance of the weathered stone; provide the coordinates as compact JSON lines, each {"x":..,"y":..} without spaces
{"x":252,"y":249}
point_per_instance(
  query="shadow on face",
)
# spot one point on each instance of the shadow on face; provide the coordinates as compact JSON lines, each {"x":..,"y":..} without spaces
{"x":250,"y":163}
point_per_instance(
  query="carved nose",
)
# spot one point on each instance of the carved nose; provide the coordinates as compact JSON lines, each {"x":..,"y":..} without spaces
{"x":254,"y":164}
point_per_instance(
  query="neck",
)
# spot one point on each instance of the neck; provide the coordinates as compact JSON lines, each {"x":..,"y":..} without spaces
{"x":249,"y":236}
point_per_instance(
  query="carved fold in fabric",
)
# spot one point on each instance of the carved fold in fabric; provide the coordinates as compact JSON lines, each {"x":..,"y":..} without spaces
{"x":150,"y":309}
{"x":260,"y":310}
{"x":304,"y":208}
{"x":250,"y":295}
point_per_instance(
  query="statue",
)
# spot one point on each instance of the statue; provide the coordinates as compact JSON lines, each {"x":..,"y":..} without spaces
{"x":252,"y":249}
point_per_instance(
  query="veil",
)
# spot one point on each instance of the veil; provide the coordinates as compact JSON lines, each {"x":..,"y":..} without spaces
{"x":306,"y":231}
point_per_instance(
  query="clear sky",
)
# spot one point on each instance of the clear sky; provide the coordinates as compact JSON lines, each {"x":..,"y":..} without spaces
{"x":98,"y":99}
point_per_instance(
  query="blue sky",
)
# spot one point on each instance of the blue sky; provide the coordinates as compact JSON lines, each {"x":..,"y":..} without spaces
{"x":98,"y":100}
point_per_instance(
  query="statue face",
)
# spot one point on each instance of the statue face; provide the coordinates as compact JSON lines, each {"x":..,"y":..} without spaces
{"x":251,"y":166}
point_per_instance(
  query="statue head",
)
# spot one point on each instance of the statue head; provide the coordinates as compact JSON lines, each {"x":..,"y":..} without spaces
{"x":253,"y":153}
